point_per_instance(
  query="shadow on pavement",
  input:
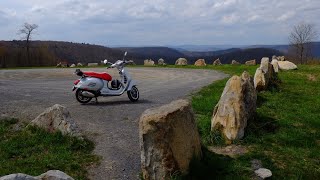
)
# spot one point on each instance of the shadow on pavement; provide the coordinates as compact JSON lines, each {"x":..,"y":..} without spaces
{"x":115,"y":103}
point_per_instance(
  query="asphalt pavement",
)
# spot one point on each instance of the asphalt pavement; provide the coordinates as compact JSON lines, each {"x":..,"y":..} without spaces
{"x":112,"y":122}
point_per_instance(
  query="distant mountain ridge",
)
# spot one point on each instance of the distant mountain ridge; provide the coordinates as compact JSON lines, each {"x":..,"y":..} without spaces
{"x":85,"y":53}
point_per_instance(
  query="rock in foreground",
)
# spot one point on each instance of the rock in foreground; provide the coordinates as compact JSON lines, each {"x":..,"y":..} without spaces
{"x":49,"y":175}
{"x":231,"y":150}
{"x":57,"y":118}
{"x":263,"y":173}
{"x":236,"y":106}
{"x":169,"y":139}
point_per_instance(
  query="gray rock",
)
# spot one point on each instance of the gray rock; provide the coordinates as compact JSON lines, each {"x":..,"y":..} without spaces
{"x":256,"y":164}
{"x":264,"y":64}
{"x":281,"y":58}
{"x":57,"y":118}
{"x":59,"y":65}
{"x":263,"y":173}
{"x":72,"y":65}
{"x":169,"y":139}
{"x":181,"y":62}
{"x":265,"y":75}
{"x":54,"y":175}
{"x":234,"y":62}
{"x":275,"y":65}
{"x":93,"y":64}
{"x":217,"y":62}
{"x":251,"y":62}
{"x":49,"y":175}
{"x":161,"y":62}
{"x":231,"y":150}
{"x":18,"y":176}
{"x":79,"y":64}
{"x":236,"y":106}
{"x":200,"y":62}
{"x":148,"y":62}
{"x":131,"y":62}
{"x":287,"y":65}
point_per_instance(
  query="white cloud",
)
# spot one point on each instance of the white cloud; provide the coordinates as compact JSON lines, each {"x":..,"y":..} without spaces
{"x":158,"y":21}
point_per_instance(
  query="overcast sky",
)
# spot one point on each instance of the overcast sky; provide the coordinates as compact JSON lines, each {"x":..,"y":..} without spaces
{"x":159,"y":22}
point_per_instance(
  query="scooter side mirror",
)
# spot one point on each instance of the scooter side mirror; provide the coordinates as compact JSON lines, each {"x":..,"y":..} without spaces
{"x":105,"y":61}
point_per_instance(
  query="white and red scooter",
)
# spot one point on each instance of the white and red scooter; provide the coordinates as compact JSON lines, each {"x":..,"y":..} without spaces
{"x":93,"y":84}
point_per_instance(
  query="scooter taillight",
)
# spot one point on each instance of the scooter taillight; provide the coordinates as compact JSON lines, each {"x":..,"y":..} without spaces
{"x":76,"y":82}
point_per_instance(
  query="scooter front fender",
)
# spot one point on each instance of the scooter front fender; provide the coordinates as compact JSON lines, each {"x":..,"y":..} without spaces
{"x":131,"y":84}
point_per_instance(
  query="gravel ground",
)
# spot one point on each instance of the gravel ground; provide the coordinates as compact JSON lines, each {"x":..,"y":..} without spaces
{"x":113,"y":122}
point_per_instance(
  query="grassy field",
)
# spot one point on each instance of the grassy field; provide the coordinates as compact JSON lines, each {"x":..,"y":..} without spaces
{"x":34,"y":151}
{"x":284,"y":135}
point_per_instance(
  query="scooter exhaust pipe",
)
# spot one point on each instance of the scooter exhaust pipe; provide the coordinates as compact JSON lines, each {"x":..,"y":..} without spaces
{"x":87,"y":94}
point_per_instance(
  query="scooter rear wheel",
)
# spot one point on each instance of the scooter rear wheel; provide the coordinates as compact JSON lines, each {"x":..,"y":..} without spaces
{"x":80,"y":98}
{"x":133,"y":94}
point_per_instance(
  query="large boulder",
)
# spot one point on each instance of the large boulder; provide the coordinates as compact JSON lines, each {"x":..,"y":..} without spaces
{"x":169,"y":140}
{"x":49,"y":175}
{"x":265,"y":75}
{"x":17,"y":176}
{"x":93,"y":64}
{"x":265,"y":64}
{"x":281,"y":58}
{"x":234,"y":62}
{"x":131,"y":62}
{"x":72,"y":65}
{"x":275,"y":65}
{"x":161,"y":62}
{"x":236,"y":106}
{"x":217,"y":62}
{"x":148,"y":62}
{"x":287,"y":65}
{"x":259,"y":80}
{"x":57,"y":118}
{"x":181,"y":61}
{"x":263,"y":173}
{"x":79,"y":64}
{"x":251,"y":62}
{"x":59,"y":65}
{"x":200,"y":62}
{"x":54,"y":175}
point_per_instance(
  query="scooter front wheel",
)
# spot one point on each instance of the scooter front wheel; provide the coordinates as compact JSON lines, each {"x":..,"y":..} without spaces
{"x":133,"y":94}
{"x":80,"y":98}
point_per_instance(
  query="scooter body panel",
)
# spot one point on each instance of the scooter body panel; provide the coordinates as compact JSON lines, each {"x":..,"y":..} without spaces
{"x":90,"y":84}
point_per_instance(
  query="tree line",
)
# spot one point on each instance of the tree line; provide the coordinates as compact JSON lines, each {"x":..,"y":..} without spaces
{"x":21,"y":56}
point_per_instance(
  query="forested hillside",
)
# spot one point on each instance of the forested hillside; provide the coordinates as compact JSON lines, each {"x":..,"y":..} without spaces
{"x":49,"y":53}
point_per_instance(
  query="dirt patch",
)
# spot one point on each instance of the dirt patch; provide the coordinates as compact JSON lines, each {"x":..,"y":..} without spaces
{"x":312,"y":77}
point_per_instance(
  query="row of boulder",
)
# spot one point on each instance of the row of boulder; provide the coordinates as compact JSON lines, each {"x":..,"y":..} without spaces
{"x":202,"y":62}
{"x":238,"y":101}
{"x":62,"y":65}
{"x":169,"y":138}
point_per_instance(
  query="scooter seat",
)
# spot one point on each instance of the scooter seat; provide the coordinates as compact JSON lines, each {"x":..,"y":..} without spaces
{"x":104,"y":76}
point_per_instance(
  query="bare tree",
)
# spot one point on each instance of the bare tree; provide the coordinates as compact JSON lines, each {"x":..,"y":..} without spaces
{"x":300,"y":40}
{"x":27,"y":31}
